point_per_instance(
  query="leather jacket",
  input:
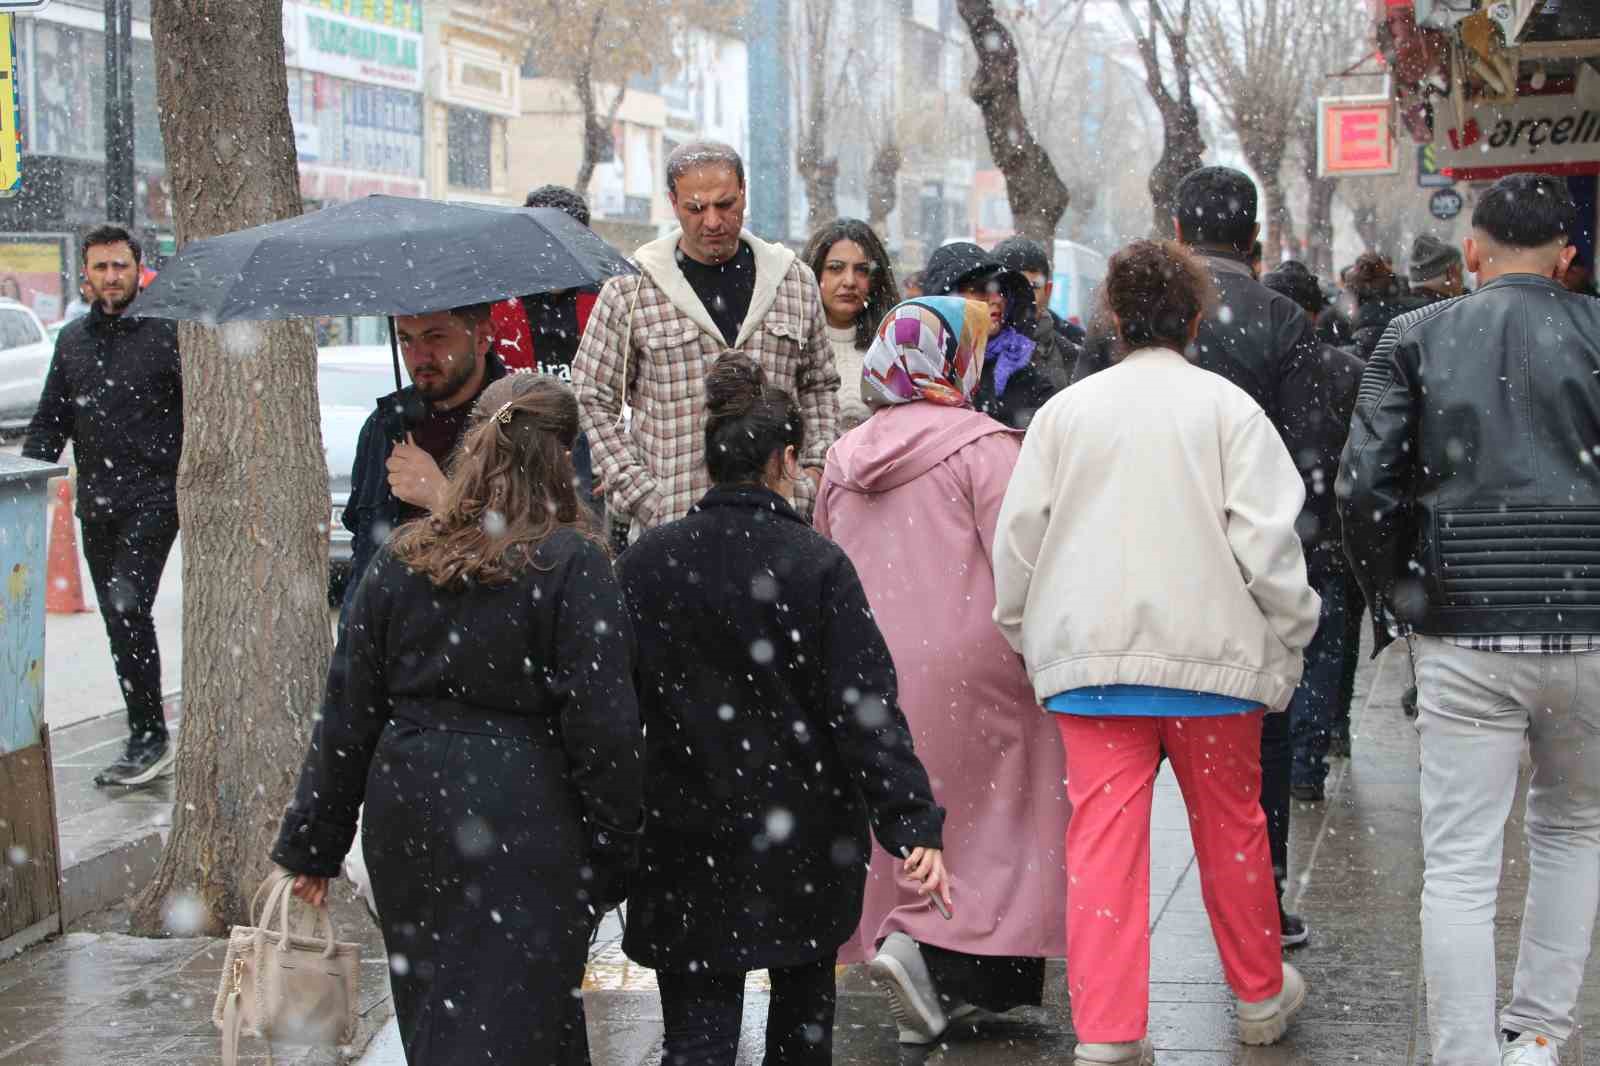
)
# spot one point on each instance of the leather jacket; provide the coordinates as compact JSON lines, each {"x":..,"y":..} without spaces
{"x":1469,"y":489}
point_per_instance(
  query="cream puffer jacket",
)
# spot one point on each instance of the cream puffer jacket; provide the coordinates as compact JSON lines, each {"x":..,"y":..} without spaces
{"x":1147,"y":538}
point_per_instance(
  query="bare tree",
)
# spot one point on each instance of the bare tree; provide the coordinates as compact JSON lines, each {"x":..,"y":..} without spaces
{"x":1170,"y":82}
{"x":1035,"y":190}
{"x":883,"y":176}
{"x":1318,"y":241}
{"x":253,"y":484}
{"x":1258,"y":58}
{"x":606,"y":43}
{"x":818,"y":62}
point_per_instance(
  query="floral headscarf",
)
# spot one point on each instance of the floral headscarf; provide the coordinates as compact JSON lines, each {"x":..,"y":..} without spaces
{"x":930,"y":348}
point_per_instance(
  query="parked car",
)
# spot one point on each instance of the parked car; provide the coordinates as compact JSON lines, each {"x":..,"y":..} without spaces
{"x":25,"y":352}
{"x":350,"y":378}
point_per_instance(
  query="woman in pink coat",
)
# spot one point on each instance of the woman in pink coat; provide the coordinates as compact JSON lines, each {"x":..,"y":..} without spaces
{"x":912,"y":496}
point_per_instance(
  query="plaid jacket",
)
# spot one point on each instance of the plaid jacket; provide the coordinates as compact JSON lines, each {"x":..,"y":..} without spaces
{"x":648,"y":347}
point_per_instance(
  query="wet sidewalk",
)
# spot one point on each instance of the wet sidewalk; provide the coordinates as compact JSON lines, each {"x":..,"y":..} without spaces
{"x":99,"y":997}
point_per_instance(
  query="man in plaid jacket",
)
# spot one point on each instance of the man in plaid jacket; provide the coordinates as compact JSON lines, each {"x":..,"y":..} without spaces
{"x":652,"y":338}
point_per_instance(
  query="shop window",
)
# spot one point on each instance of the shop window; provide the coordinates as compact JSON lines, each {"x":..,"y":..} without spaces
{"x":469,"y":148}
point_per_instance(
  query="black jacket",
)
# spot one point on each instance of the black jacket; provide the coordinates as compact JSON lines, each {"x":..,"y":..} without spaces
{"x":1373,"y":317}
{"x":115,"y":388}
{"x":1470,"y":490}
{"x":373,"y":511}
{"x":552,"y":648}
{"x":773,"y":731}
{"x":1263,"y":342}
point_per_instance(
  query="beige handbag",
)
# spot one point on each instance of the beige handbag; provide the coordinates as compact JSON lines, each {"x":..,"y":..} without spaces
{"x":283,"y":987}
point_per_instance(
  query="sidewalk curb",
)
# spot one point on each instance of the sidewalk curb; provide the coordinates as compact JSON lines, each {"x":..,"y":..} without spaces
{"x":107,"y":877}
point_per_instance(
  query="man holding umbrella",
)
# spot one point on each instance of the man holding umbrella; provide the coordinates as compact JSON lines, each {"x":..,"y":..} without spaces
{"x":400,"y":457}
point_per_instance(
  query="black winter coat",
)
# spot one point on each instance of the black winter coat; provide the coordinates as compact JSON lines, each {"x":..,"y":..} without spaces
{"x":773,"y":731}
{"x":550,"y":653}
{"x":1263,"y":342}
{"x":1470,"y":490}
{"x":115,"y":388}
{"x":373,"y":511}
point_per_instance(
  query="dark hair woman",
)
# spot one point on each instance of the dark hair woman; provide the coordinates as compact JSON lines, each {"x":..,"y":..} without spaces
{"x":1380,"y":298}
{"x":480,"y":703}
{"x":857,"y":283}
{"x":1148,"y":571}
{"x":774,"y":734}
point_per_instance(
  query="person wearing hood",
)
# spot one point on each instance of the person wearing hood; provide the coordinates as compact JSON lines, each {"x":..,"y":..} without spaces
{"x":1059,"y":341}
{"x":912,"y":497}
{"x":1019,"y":374}
{"x":708,"y":289}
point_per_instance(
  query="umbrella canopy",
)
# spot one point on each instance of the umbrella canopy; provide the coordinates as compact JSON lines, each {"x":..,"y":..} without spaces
{"x":383,"y":255}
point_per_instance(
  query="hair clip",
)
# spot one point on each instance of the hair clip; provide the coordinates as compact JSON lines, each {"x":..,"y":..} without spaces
{"x":503,"y":416}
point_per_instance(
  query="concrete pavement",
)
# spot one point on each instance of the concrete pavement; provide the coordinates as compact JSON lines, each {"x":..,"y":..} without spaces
{"x":98,"y":997}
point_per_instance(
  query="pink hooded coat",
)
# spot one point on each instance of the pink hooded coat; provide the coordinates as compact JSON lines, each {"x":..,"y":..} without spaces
{"x":912,"y":496}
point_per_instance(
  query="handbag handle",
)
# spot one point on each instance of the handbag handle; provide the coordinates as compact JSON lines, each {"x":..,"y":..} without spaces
{"x":324,"y":919}
{"x":278,"y":900}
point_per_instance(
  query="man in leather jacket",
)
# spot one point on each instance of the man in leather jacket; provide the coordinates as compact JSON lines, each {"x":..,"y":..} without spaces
{"x":1263,"y":343}
{"x":1470,"y":494}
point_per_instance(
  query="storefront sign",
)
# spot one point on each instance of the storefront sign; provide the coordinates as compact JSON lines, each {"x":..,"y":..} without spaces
{"x":1552,"y":134}
{"x":319,"y":40}
{"x":10,"y":111}
{"x":1355,"y":136}
{"x":1445,"y":204}
{"x":480,"y":80}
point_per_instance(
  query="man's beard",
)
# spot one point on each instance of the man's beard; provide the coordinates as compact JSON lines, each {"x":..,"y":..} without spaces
{"x":115,"y":305}
{"x":453,"y":376}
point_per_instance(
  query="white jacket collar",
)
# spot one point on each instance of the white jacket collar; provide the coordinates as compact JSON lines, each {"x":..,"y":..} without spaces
{"x":659,"y":261}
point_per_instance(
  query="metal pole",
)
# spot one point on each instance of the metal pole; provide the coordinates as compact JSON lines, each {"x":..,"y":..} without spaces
{"x":119,"y":112}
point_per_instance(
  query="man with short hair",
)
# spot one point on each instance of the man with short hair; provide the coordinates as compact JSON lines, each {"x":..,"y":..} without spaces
{"x":115,"y":389}
{"x":1470,"y":495}
{"x":1263,"y":343}
{"x":405,"y":443}
{"x":653,"y":336}
{"x":1436,"y":270}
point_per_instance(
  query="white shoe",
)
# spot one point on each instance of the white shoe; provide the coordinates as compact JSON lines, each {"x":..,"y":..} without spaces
{"x":1133,"y":1053}
{"x":913,"y":1000}
{"x":1264,"y":1022}
{"x":1530,"y":1049}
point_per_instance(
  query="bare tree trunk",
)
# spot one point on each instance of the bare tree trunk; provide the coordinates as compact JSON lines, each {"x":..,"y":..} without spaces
{"x":1276,"y":212}
{"x":1182,"y":147}
{"x":883,"y":185}
{"x":1319,"y":203}
{"x":253,"y":484}
{"x":1038,"y":195}
{"x":817,"y":169}
{"x":598,"y":146}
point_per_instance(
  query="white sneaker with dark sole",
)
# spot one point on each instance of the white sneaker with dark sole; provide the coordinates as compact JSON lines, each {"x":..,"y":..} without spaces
{"x":1265,"y":1021}
{"x":913,"y":1000}
{"x":1530,"y":1049}
{"x":1132,"y":1053}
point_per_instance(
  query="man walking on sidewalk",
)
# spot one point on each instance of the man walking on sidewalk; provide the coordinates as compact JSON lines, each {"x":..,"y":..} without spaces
{"x":1471,"y":497}
{"x":115,"y":390}
{"x":652,"y":338}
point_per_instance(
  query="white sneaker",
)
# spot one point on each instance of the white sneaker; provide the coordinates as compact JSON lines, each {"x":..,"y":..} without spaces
{"x":1135,"y":1053}
{"x":1530,"y":1049}
{"x":1264,"y":1022}
{"x":913,"y":1000}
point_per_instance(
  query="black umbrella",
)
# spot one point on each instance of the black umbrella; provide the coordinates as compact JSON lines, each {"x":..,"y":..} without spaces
{"x":383,"y":255}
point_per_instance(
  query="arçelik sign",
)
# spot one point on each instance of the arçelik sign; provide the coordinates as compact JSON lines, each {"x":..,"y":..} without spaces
{"x":1556,"y":134}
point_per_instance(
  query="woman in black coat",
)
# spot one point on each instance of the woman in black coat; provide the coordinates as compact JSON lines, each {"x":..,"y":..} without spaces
{"x":769,"y":702}
{"x":480,"y":701}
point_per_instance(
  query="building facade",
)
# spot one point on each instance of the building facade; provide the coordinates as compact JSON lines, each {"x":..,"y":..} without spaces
{"x":474,"y":95}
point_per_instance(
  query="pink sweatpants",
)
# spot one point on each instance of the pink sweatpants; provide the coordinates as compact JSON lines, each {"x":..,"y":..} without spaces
{"x":1111,"y":771}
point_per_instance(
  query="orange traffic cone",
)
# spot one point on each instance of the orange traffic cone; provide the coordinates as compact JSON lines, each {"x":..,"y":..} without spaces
{"x":63,"y":592}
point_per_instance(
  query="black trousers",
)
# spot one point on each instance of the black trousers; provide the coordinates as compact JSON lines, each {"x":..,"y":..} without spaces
{"x":1277,"y":762}
{"x":704,"y":1013}
{"x":126,"y":556}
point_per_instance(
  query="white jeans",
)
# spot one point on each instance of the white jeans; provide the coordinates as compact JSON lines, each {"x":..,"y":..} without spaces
{"x":1475,"y":709}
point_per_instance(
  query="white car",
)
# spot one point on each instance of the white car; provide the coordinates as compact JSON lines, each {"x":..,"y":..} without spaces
{"x":25,"y":353}
{"x":350,"y":379}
